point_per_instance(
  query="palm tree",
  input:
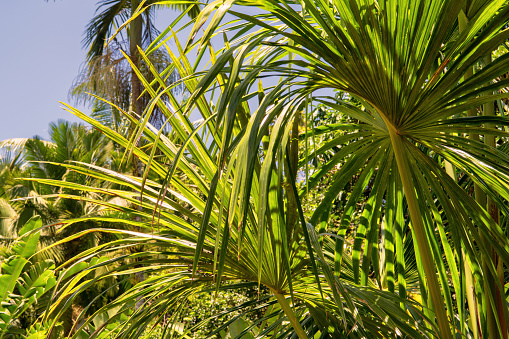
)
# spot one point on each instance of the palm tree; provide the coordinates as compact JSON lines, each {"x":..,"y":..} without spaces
{"x":170,"y":235}
{"x":36,"y":158}
{"x":107,"y":73}
{"x":230,"y":208}
{"x":387,"y":61}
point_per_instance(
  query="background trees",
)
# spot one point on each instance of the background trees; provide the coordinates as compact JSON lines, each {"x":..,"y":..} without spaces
{"x":36,"y":158}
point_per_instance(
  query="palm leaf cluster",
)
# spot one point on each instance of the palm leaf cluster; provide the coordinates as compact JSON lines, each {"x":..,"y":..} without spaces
{"x":221,"y":200}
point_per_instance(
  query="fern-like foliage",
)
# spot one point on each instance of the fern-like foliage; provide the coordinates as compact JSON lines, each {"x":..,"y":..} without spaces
{"x":21,"y":282}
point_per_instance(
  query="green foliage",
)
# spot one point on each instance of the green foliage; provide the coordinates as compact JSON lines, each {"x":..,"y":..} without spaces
{"x":269,"y":256}
{"x":20,"y":287}
{"x":211,"y":311}
{"x":218,"y":204}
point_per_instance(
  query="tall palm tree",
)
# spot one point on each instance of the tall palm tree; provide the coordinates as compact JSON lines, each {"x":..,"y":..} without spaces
{"x":107,"y":73}
{"x":230,"y":208}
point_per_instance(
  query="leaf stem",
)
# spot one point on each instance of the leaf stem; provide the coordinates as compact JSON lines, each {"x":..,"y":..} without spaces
{"x":420,"y":233}
{"x":290,"y":315}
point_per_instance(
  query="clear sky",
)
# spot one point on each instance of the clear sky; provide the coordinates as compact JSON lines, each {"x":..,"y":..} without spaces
{"x":40,"y":56}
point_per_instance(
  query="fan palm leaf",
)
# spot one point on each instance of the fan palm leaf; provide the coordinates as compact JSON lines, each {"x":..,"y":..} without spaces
{"x":185,"y":205}
{"x":231,"y":209}
{"x":384,"y":55}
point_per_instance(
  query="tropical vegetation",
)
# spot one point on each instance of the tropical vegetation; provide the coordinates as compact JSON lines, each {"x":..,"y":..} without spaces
{"x":334,"y":169}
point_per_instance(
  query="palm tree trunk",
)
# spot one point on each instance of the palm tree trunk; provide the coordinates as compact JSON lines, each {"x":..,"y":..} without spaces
{"x":293,"y":152}
{"x":135,"y":40}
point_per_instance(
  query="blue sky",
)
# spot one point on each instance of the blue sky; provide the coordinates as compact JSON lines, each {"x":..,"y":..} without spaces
{"x":40,"y":57}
